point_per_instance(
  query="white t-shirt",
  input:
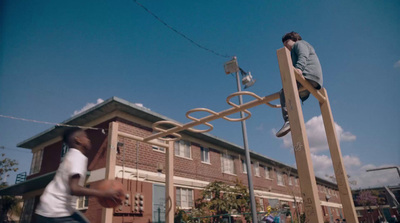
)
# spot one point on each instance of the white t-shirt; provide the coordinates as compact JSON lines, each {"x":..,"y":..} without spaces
{"x":56,"y":200}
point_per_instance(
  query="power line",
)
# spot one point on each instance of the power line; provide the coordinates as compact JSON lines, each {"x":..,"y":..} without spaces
{"x":52,"y":123}
{"x":180,"y":33}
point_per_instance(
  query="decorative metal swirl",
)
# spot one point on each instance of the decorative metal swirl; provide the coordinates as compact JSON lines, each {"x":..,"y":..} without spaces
{"x":176,"y":135}
{"x":211,"y":127}
{"x":213,"y":115}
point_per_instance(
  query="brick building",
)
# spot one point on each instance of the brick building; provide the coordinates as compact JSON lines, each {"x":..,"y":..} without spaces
{"x":200,"y":158}
{"x":385,"y":204}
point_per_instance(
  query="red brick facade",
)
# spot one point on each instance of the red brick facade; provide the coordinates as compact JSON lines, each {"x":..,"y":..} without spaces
{"x":189,"y":172}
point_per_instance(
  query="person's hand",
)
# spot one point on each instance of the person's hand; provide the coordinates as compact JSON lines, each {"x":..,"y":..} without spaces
{"x":299,"y":71}
{"x":115,"y":195}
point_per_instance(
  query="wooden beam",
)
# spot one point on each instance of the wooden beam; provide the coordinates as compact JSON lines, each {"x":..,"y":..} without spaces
{"x":337,"y":161}
{"x":301,"y":147}
{"x":317,"y":93}
{"x":107,"y":213}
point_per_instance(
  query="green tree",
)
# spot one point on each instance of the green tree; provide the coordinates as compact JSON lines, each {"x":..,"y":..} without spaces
{"x":219,"y":198}
{"x":8,"y":204}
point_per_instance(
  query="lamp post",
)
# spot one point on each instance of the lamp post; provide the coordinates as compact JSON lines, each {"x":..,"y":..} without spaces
{"x":232,"y":67}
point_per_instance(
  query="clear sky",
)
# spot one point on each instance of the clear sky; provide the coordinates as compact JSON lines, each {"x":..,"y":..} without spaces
{"x":57,"y":57}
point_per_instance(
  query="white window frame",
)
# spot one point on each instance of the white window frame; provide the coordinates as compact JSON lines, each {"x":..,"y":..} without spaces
{"x":184,"y":198}
{"x":267,"y":172}
{"x":82,"y":203}
{"x":227,"y":164}
{"x":36,"y":161}
{"x":261,"y":203}
{"x":244,"y":166}
{"x":256,"y":169}
{"x":183,"y":149}
{"x":205,"y":155}
{"x":279,"y":178}
{"x":159,"y":148}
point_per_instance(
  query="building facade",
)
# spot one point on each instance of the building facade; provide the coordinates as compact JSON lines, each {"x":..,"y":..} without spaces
{"x":377,"y":204}
{"x":200,"y":159}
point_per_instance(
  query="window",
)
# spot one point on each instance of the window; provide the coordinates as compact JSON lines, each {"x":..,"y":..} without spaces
{"x":256,"y":169}
{"x":64,"y":150}
{"x":227,"y":164}
{"x":184,"y":198}
{"x":268,"y":173}
{"x":182,"y":149}
{"x":296,"y":181}
{"x":27,"y":210}
{"x":279,"y":177}
{"x":205,"y":155}
{"x":244,"y":166}
{"x":82,"y":202}
{"x":290,"y":180}
{"x":157,"y":148}
{"x":36,"y":161}
{"x":261,"y":202}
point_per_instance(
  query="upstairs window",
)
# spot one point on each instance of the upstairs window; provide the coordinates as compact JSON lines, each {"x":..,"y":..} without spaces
{"x":268,"y":172}
{"x":244,"y":166}
{"x":256,"y":169}
{"x":205,"y":155}
{"x":36,"y":161}
{"x":64,"y":150}
{"x":182,"y":149}
{"x":227,"y":164}
{"x":279,"y":177}
{"x":158,"y":148}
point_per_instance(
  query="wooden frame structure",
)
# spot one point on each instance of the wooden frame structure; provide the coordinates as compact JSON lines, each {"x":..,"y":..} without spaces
{"x":300,"y":143}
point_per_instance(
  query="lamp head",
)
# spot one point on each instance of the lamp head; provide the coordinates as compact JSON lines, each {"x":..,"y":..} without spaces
{"x":231,"y":66}
{"x":248,"y":80}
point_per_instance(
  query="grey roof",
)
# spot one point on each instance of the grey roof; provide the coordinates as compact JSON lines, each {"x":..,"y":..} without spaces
{"x":117,"y":104}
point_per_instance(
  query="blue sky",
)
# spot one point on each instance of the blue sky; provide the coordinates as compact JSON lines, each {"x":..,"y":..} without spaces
{"x":60,"y":56}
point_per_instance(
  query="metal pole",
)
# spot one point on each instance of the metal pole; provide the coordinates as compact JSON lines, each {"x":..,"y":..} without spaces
{"x":385,"y":168}
{"x":247,"y":154}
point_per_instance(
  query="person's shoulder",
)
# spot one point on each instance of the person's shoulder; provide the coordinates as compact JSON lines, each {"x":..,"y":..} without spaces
{"x":301,"y":42}
{"x":74,"y":153}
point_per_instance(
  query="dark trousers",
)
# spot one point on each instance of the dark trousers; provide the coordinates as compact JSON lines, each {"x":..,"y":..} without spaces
{"x":77,"y":217}
{"x":303,"y":96}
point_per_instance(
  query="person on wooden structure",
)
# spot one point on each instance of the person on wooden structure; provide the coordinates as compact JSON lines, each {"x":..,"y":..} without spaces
{"x":58,"y":201}
{"x":306,"y":62}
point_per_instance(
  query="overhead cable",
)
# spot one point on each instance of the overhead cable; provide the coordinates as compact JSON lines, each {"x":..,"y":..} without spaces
{"x":180,"y":33}
{"x":52,"y":123}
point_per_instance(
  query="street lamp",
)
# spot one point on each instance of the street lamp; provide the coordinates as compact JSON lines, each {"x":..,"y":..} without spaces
{"x":247,"y":80}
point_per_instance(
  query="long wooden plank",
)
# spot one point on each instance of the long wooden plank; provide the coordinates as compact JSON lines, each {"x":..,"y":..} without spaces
{"x":301,"y":147}
{"x":107,"y":213}
{"x":337,"y":160}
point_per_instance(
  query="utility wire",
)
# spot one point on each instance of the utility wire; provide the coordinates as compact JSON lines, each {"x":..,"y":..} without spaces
{"x":51,"y":123}
{"x":179,"y":33}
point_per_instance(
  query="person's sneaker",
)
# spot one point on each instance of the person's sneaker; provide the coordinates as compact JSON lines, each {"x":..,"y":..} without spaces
{"x":284,"y":130}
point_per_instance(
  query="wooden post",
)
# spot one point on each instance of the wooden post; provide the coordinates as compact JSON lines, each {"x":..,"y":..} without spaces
{"x":308,"y":186}
{"x":107,"y":213}
{"x":338,"y":166}
{"x":169,"y":183}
